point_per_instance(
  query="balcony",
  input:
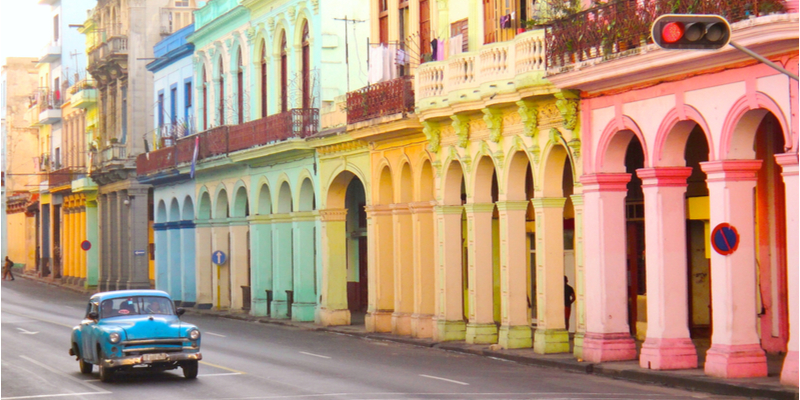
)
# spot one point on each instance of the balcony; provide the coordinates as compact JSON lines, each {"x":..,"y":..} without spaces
{"x":84,"y":93}
{"x":385,"y":98}
{"x":51,"y":52}
{"x":174,"y":19}
{"x":48,"y":104}
{"x":622,"y":28}
{"x":60,"y":177}
{"x":495,"y":68}
{"x":113,"y":50}
{"x":157,"y":160}
{"x":295,"y":123}
{"x":114,"y":152}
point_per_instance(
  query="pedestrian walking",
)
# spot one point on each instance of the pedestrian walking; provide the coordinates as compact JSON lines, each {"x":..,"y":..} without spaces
{"x":7,"y":269}
{"x":569,"y":298}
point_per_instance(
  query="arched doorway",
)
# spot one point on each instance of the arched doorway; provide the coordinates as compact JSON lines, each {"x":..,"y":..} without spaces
{"x":188,"y":238}
{"x":283,"y":254}
{"x":239,"y":230}
{"x":174,"y":286}
{"x":221,"y":241}
{"x":203,"y":240}
{"x":356,"y":231}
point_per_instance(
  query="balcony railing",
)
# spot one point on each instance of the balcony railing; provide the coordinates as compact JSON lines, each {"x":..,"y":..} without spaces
{"x":45,"y":99}
{"x":113,"y":46}
{"x":625,"y":25}
{"x":384,"y":98}
{"x":114,"y":152}
{"x":156,"y":160}
{"x":60,"y":177}
{"x":493,"y":62}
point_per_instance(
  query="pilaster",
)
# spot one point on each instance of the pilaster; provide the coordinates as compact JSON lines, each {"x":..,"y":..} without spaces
{"x":515,"y":330}
{"x":333,"y":304}
{"x":448,"y":301}
{"x":424,"y":269}
{"x":481,"y":327}
{"x":380,"y":232}
{"x":403,"y":263}
{"x":789,"y":166}
{"x":580,"y":278}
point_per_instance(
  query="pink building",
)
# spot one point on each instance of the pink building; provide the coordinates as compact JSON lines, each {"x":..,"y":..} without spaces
{"x":676,"y":143}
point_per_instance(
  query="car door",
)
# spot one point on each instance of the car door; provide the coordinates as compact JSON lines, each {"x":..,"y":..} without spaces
{"x":87,"y":334}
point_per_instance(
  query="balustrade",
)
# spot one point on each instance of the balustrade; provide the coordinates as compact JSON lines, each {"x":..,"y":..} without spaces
{"x":380,"y":99}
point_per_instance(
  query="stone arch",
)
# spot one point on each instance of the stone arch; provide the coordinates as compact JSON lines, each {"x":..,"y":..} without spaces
{"x":406,"y":181}
{"x":673,"y":133}
{"x":385,"y":187}
{"x":221,"y":209}
{"x":452,"y":183}
{"x":516,"y":175}
{"x":613,"y":143}
{"x":204,"y":204}
{"x":174,"y":210}
{"x":483,"y":175}
{"x":305,"y":199}
{"x":161,"y":212}
{"x":284,"y":198}
{"x":264,"y":198}
{"x":337,"y":188}
{"x":241,"y":203}
{"x":187,"y":212}
{"x":426,"y":184}
{"x":744,"y":117}
{"x":551,"y":170}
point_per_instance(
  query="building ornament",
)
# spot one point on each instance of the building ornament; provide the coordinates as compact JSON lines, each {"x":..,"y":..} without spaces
{"x":441,"y":5}
{"x":494,"y":121}
{"x":290,"y":13}
{"x":529,"y":114}
{"x":569,"y":112}
{"x":315,"y":5}
{"x":549,"y":113}
{"x":575,"y":145}
{"x":433,"y":134}
{"x":251,"y":34}
{"x":271,"y":24}
{"x":461,"y":128}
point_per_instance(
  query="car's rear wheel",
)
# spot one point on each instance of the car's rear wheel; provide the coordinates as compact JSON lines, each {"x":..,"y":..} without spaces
{"x":105,"y":372}
{"x":190,"y":369}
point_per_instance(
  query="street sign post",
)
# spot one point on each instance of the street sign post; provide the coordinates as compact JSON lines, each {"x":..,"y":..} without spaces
{"x":218,"y":257}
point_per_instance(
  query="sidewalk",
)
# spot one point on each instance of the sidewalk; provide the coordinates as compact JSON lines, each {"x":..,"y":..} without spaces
{"x":694,"y":379}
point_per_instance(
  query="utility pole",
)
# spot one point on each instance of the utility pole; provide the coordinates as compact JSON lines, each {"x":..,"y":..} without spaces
{"x":346,"y":47}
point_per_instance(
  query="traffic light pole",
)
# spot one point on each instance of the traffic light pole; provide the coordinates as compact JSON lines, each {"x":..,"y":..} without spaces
{"x":763,"y":60}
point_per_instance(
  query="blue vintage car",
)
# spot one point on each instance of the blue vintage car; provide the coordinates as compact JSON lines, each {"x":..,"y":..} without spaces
{"x":135,"y":328}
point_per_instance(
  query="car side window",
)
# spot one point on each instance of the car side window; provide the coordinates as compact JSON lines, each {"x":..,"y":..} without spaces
{"x":88,"y":310}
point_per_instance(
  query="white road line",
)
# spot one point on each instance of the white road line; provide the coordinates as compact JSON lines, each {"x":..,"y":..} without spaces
{"x":53,"y":395}
{"x":444,"y":379}
{"x":214,"y":334}
{"x":57,"y":372}
{"x":227,"y":374}
{"x":313,"y":355}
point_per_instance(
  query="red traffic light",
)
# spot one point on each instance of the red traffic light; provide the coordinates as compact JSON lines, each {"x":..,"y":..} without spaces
{"x":698,"y":32}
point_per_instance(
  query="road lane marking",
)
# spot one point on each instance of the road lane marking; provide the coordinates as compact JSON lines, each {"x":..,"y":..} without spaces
{"x":228,"y":374}
{"x":24,"y":332}
{"x":221,"y":367}
{"x":39,"y":319}
{"x":313,"y":355}
{"x":59,"y":373}
{"x":53,"y":395}
{"x":214,"y":334}
{"x":444,"y":379}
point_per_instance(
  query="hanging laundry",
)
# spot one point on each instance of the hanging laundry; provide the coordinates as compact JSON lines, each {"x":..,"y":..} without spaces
{"x":440,"y":50}
{"x":456,"y":44}
{"x":401,"y":58}
{"x":505,"y":21}
{"x":375,"y":64}
{"x":434,"y":45}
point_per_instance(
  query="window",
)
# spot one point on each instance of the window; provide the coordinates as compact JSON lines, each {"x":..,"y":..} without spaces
{"x":284,"y":74}
{"x":221,"y":95}
{"x":160,"y":105}
{"x":240,"y":87}
{"x":55,"y":28}
{"x":461,"y":28}
{"x":306,"y":72}
{"x":124,"y":114}
{"x":383,"y":21}
{"x":424,"y":27}
{"x":204,"y":84}
{"x":263,"y":79}
{"x":173,"y":105}
{"x":187,"y":102}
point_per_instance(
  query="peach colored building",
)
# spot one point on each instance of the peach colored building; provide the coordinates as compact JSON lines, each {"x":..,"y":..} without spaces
{"x":675,"y":144}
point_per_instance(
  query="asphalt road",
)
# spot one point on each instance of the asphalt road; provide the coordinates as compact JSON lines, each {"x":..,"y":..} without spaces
{"x":247,"y":360}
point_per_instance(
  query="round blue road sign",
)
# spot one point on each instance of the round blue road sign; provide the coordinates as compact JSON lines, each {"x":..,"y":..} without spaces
{"x":724,"y":239}
{"x":218,"y":257}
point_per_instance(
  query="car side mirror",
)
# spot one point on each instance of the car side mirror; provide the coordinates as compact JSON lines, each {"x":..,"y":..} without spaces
{"x":93,"y":315}
{"x":180,"y":311}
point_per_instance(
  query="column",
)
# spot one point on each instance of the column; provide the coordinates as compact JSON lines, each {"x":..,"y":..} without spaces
{"x":205,"y":268}
{"x":580,"y":279}
{"x":188,"y":269}
{"x":92,"y":256}
{"x":112,"y":224}
{"x":138,"y":276}
{"x":81,"y":237}
{"x":607,"y":335}
{"x":735,"y":349}
{"x":66,"y":242}
{"x":161,"y":240}
{"x":174,"y":262}
{"x":121,"y":241}
{"x":424,"y":269}
{"x":103,"y":208}
{"x":515,"y":329}
{"x":220,"y":274}
{"x":283,"y":261}
{"x":449,"y":302}
{"x":238,"y":261}
{"x":333,"y":300}
{"x":481,"y":327}
{"x":789,"y":165}
{"x":551,"y":335}
{"x":380,"y":233}
{"x":403,"y":263}
{"x":260,"y":263}
{"x":305,"y":261}
{"x":668,"y":344}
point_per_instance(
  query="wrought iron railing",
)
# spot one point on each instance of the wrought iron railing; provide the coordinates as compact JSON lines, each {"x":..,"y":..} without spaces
{"x":380,"y":99}
{"x":625,"y":24}
{"x":60,"y":177}
{"x":83,"y":84}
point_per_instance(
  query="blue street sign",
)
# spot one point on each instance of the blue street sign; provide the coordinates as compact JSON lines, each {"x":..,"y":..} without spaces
{"x":139,"y":252}
{"x":725,"y":239}
{"x":218,"y":257}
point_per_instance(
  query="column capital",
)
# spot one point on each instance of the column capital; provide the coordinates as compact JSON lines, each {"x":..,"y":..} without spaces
{"x":617,"y":182}
{"x":333,"y":214}
{"x":788,"y":163}
{"x":511,"y":205}
{"x":577,"y":199}
{"x":445,"y":210}
{"x":422,"y":207}
{"x":664,"y":176}
{"x":731,"y":170}
{"x":548,"y":202}
{"x":479,"y":207}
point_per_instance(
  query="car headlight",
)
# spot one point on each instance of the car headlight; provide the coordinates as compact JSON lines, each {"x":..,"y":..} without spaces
{"x":194,"y":334}
{"x":114,"y":337}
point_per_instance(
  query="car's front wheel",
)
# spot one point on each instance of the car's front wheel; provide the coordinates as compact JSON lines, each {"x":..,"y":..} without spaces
{"x":86,"y":367}
{"x":105,"y":372}
{"x":190,"y":369}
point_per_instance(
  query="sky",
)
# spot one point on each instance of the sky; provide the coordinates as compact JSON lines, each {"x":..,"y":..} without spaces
{"x":24,"y":28}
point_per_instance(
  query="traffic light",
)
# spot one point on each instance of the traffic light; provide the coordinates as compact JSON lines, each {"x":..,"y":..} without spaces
{"x":691,"y":32}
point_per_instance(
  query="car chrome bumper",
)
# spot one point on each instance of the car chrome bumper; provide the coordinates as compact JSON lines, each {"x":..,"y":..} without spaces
{"x":139,"y":360}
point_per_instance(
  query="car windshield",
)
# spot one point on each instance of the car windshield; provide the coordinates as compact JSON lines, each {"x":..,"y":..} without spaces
{"x":136,"y":305}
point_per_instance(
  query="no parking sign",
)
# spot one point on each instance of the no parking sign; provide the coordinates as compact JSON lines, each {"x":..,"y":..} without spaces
{"x":725,"y":239}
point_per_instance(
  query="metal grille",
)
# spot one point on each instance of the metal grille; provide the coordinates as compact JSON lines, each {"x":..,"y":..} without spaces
{"x":384,"y":98}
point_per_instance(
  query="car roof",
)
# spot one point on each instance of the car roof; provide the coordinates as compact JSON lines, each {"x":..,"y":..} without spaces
{"x":128,"y":293}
